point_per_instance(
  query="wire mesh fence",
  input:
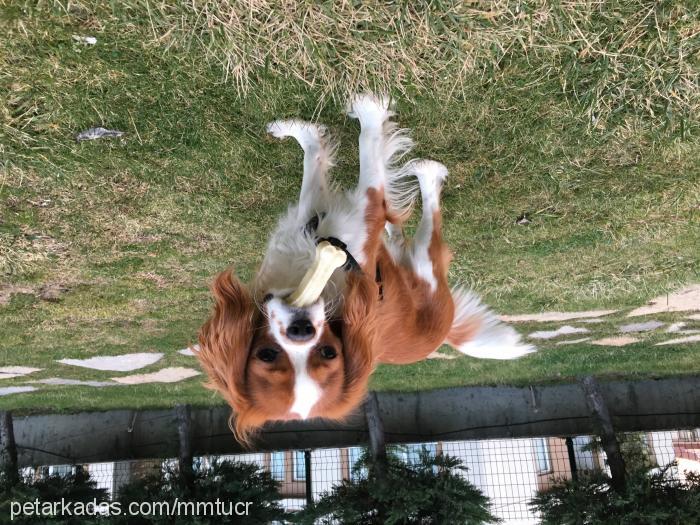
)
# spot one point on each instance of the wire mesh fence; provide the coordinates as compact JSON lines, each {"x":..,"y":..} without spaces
{"x":509,"y":471}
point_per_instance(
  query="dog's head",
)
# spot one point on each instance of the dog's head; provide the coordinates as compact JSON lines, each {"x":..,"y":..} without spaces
{"x":272,"y":361}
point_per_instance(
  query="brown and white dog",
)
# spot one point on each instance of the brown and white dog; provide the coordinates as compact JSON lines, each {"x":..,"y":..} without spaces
{"x":391,"y":303}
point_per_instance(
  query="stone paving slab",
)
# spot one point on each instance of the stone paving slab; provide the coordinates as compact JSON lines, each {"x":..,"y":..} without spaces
{"x":190,"y":350}
{"x":679,"y":328}
{"x":684,"y":300}
{"x":554,"y":316}
{"x":622,"y":340}
{"x":562,"y":330}
{"x":76,"y":382}
{"x":7,"y":390}
{"x":440,"y":355}
{"x":573,"y":341}
{"x":647,"y":326}
{"x":681,"y":340}
{"x":116,"y":363}
{"x":6,"y":372}
{"x":166,"y":375}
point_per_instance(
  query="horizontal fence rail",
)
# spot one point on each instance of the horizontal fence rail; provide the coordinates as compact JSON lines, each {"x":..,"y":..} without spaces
{"x":446,"y":414}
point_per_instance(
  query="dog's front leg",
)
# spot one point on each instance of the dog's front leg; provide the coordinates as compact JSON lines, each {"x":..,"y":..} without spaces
{"x":318,"y":157}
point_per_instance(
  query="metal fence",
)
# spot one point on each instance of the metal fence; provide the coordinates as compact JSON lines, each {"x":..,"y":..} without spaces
{"x":508,"y":471}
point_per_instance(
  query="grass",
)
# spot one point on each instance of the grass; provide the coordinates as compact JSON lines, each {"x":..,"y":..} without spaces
{"x":580,"y":116}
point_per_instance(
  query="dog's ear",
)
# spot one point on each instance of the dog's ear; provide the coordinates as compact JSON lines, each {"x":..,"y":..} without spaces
{"x":225,"y":338}
{"x":359,"y":336}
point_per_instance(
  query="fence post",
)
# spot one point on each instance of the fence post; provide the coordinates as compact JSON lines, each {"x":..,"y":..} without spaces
{"x":8,"y":448}
{"x":185,"y":450}
{"x":603,"y":422}
{"x":572,"y":458}
{"x":377,"y":445}
{"x":307,"y":469}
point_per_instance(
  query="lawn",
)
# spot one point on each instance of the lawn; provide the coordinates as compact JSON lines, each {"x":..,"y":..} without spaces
{"x":581,"y":118}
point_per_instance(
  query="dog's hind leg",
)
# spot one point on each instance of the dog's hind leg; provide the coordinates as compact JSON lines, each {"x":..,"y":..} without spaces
{"x":430,"y":257}
{"x":319,"y":155}
{"x":383,"y":192}
{"x":382,"y":144}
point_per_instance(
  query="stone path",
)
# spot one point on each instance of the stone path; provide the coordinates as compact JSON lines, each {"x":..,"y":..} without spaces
{"x":73,"y":382}
{"x":689,"y":339}
{"x":166,"y":375}
{"x":6,"y":372}
{"x":610,"y":333}
{"x":7,"y":390}
{"x":562,"y":330}
{"x":641,"y":327}
{"x":684,"y":300}
{"x":573,"y":341}
{"x":555,"y":316}
{"x":622,"y":340}
{"x":116,"y":363}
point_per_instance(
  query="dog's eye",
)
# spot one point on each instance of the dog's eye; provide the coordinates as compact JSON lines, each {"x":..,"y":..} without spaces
{"x":328,"y":352}
{"x":267,"y":354}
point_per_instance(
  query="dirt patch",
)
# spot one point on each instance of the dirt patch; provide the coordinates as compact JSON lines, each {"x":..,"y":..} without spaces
{"x":158,"y":280}
{"x":8,"y":290}
{"x":52,"y":292}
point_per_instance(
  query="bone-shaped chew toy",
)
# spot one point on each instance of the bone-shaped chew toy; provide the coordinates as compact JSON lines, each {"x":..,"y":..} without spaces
{"x":327,"y":259}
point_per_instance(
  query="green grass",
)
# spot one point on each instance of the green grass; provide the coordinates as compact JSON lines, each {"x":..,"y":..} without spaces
{"x":582,"y":116}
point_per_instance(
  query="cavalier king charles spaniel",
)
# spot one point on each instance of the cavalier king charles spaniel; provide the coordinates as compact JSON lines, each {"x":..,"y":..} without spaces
{"x":390,"y":302}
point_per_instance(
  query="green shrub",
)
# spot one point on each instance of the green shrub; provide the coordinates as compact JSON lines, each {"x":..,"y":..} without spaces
{"x":428,"y":492}
{"x":225,"y":481}
{"x":77,"y":488}
{"x":650,"y":496}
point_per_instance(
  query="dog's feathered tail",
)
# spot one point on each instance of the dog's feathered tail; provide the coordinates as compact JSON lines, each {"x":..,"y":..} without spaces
{"x":477,"y":332}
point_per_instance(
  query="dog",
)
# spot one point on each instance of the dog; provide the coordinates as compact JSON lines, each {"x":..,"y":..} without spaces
{"x":390,"y":303}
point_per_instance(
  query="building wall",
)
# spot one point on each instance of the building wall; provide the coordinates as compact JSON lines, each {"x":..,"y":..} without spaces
{"x":328,"y":467}
{"x":504,"y":470}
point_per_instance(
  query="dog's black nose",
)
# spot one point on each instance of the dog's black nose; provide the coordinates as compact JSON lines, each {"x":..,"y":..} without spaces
{"x":301,"y":330}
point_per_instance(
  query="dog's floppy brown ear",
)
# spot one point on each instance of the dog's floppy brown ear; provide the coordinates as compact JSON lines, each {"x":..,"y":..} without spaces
{"x":359,"y":338}
{"x":224,"y":340}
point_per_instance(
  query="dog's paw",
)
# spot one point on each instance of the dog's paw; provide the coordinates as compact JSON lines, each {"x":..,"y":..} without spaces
{"x":430,"y":174}
{"x":306,"y":133}
{"x":370,"y":109}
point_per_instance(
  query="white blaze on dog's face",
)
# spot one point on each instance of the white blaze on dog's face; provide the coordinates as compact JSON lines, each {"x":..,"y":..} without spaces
{"x":295,"y":359}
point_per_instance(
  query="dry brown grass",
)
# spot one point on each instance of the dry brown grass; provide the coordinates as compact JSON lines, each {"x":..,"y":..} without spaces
{"x":605,"y":56}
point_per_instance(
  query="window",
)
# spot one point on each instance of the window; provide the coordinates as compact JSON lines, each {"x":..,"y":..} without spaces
{"x":542,"y":455}
{"x":299,"y":466}
{"x":277,"y":465}
{"x":60,"y":470}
